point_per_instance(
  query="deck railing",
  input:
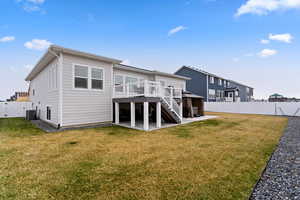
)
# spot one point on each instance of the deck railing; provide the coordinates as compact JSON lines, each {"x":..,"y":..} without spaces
{"x":146,"y":88}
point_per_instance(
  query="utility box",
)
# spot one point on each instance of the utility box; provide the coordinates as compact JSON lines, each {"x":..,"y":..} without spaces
{"x":30,"y":114}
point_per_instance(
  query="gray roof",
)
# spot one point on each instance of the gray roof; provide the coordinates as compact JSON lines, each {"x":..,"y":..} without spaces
{"x":149,"y":72}
{"x":191,"y":95}
{"x":210,"y":74}
{"x":54,"y":50}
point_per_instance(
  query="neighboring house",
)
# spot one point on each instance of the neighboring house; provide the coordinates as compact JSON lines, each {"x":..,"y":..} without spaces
{"x":215,"y":88}
{"x":280,"y":98}
{"x":20,"y":97}
{"x":72,"y":88}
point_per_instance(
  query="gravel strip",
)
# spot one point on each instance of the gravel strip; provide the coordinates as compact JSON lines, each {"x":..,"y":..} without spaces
{"x":281,"y":178}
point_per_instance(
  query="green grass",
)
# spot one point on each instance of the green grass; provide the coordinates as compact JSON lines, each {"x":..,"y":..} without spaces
{"x":214,"y":159}
{"x":17,"y":127}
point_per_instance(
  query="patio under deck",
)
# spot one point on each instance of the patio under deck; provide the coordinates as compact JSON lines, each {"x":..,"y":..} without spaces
{"x":139,"y":125}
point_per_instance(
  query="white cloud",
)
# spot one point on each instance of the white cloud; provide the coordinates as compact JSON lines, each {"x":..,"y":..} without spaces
{"x":263,"y":41}
{"x":267,"y":52}
{"x":37,"y":44}
{"x":32,"y":1}
{"x":7,"y":39}
{"x":176,"y":30}
{"x":31,"y":8}
{"x":32,"y":5}
{"x":36,"y":1}
{"x":287,"y":38}
{"x":263,"y":7}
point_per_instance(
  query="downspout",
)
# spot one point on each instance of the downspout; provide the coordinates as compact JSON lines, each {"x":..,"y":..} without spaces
{"x":60,"y":67}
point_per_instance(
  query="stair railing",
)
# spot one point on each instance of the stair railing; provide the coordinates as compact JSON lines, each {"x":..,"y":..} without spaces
{"x":169,"y":98}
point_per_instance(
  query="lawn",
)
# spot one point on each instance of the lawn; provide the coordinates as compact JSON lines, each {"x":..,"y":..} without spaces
{"x":215,"y":159}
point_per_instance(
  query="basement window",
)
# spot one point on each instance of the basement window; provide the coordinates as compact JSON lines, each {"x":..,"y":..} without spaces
{"x":48,"y":113}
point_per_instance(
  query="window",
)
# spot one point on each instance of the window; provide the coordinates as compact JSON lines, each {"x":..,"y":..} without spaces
{"x":81,"y":77}
{"x":131,"y":80}
{"x":48,"y":113}
{"x":212,"y":80}
{"x":97,"y":78}
{"x":228,"y":83}
{"x":212,"y":94}
{"x":131,"y":83}
{"x":162,"y":83}
{"x":220,"y":94}
{"x":119,"y":83}
{"x":33,"y":92}
{"x":220,"y":81}
{"x":236,"y":93}
{"x":248,"y":90}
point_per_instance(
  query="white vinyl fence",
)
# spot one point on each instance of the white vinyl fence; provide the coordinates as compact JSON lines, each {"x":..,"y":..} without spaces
{"x":14,"y":109}
{"x":264,"y":108}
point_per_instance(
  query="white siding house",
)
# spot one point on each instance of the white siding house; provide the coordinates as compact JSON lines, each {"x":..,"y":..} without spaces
{"x":72,"y":88}
{"x":44,"y":92}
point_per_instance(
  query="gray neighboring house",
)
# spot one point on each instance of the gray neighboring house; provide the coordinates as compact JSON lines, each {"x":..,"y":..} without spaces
{"x":215,"y":88}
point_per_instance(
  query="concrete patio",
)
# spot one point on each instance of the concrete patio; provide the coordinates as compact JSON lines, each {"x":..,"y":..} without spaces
{"x":139,"y":125}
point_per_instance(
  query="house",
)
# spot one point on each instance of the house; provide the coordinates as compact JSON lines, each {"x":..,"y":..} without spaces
{"x":280,"y":98}
{"x":215,"y":88}
{"x":70,"y":88}
{"x":19,"y":97}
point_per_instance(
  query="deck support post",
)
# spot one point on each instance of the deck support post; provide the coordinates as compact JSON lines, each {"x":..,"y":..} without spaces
{"x":132,"y":114}
{"x":117,"y":113}
{"x":158,"y":114}
{"x":146,"y":116}
{"x":181,"y":110}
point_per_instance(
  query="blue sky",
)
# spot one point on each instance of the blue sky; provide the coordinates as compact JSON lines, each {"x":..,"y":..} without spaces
{"x":219,"y":36}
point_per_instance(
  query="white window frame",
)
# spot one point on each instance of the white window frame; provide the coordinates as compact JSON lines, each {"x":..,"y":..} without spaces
{"x":123,"y":83}
{"x":220,"y":82}
{"x":212,"y":80}
{"x":89,"y":81}
{"x":124,"y":76}
{"x":210,"y":95}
